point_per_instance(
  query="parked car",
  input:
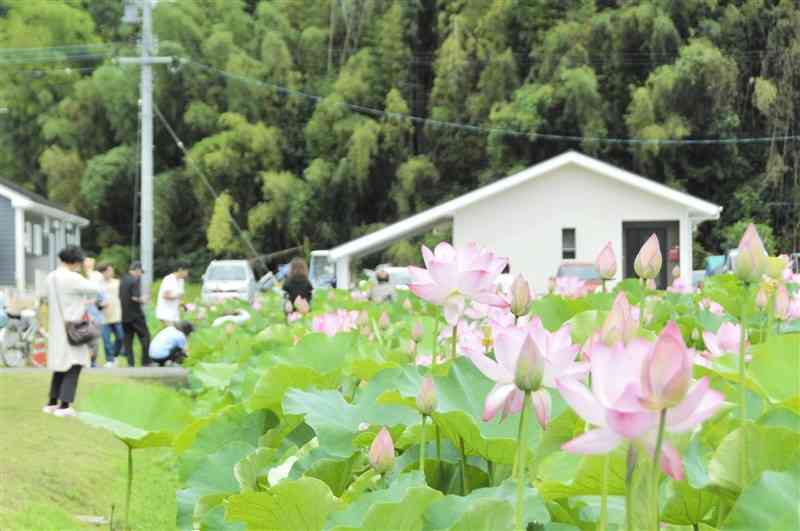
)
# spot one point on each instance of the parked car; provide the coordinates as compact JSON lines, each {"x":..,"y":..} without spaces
{"x":714,"y":264}
{"x":229,"y":279}
{"x":582,"y":270}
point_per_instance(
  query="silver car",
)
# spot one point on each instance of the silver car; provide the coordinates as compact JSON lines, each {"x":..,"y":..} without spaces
{"x":229,"y":279}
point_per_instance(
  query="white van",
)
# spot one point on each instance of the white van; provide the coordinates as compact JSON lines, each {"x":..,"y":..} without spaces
{"x":228,"y":279}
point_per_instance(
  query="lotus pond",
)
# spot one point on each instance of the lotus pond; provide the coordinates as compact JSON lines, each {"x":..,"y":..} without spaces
{"x":458,"y":406}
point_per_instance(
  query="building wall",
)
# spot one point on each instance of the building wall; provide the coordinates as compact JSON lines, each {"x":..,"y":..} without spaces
{"x":37,"y":251}
{"x":525,"y":222}
{"x":6,"y":243}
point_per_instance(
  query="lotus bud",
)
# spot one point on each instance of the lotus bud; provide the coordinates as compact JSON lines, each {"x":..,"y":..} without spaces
{"x":301,"y":305}
{"x":381,"y":453}
{"x":407,"y":305}
{"x":666,"y":371}
{"x":520,"y":296}
{"x":648,"y":261}
{"x":426,"y":399}
{"x":417,"y":331}
{"x":363,"y":318}
{"x":751,"y":262}
{"x":606,"y":263}
{"x":619,"y":324}
{"x":762,"y":299}
{"x":776,"y":265}
{"x":530,"y":366}
{"x":363,"y":426}
{"x":782,"y":303}
{"x":384,"y":321}
{"x":411,"y":347}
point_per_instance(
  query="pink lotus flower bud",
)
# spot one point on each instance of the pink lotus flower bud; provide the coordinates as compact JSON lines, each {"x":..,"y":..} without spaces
{"x":301,"y":305}
{"x":384,"y":321}
{"x":426,"y":399}
{"x":520,"y":296}
{"x":648,"y":261}
{"x":407,"y":305}
{"x":776,"y":265}
{"x":761,"y":299}
{"x":363,"y":318}
{"x":606,"y":262}
{"x":411,"y":346}
{"x":666,"y":370}
{"x":620,"y":325}
{"x":782,"y":303}
{"x":381,"y":453}
{"x":417,"y":331}
{"x":751,"y":262}
{"x":257,"y":305}
{"x":529,"y":371}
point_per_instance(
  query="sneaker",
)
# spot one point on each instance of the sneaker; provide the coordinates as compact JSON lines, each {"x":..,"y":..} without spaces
{"x":49,"y":409}
{"x":65,"y":412}
{"x":110,"y":365}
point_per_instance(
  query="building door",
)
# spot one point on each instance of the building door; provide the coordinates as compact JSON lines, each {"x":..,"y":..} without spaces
{"x":635,"y":233}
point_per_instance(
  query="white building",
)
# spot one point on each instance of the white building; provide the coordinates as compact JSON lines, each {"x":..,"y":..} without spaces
{"x":567,"y":207}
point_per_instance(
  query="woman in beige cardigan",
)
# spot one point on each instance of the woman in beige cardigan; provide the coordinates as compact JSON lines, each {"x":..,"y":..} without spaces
{"x":68,"y":294}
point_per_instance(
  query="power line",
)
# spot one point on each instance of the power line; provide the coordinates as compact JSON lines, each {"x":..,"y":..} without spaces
{"x":492,"y":130}
{"x":209,"y":187}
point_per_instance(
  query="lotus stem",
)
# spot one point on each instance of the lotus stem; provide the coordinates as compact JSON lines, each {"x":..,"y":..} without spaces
{"x":438,"y":452}
{"x":662,"y":422}
{"x":455,"y":341}
{"x":464,"y":482}
{"x":742,"y":391}
{"x":603,"y":521}
{"x":422,"y":447}
{"x":630,"y":467}
{"x":129,"y":488}
{"x":490,"y":467}
{"x":770,"y":316}
{"x":521,"y":450}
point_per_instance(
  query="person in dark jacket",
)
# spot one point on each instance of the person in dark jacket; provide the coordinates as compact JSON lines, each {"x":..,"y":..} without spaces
{"x":133,"y":319}
{"x":297,"y":283}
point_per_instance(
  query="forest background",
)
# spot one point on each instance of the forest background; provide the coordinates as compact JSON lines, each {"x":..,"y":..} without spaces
{"x":320,"y":120}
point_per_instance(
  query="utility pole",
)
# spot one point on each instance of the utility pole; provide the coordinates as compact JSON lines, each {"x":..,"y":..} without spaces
{"x":146,"y":61}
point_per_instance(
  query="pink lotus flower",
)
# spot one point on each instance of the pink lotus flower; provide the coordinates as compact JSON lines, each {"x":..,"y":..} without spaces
{"x":613,"y":406}
{"x":571,"y":287}
{"x":667,"y":370}
{"x":679,"y":286}
{"x":332,"y":323}
{"x":453,"y":276}
{"x":553,"y":352}
{"x":782,"y":303}
{"x":794,"y":307}
{"x":384,"y":321}
{"x":725,"y":341}
{"x":712,"y":307}
{"x":751,"y":261}
{"x":427,"y":360}
{"x":761,"y":299}
{"x":621,"y":326}
{"x":381,"y":453}
{"x":648,"y":261}
{"x":606,"y":262}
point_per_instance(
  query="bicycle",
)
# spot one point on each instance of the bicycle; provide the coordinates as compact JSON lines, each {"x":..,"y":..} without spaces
{"x":18,"y":339}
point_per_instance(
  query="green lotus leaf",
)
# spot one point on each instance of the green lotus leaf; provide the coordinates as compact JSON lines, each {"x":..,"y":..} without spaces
{"x":775,"y":366}
{"x":399,"y":506}
{"x":292,"y":505}
{"x":769,"y":504}
{"x":141,"y":416}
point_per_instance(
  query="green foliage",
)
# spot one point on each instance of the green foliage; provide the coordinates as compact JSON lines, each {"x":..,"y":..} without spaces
{"x":220,"y":229}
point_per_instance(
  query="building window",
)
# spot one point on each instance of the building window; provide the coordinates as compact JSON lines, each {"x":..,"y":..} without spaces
{"x":568,"y":250}
{"x":37,"y":240}
{"x":28,"y":238}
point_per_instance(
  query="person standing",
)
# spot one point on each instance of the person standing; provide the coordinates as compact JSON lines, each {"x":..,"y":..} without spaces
{"x":133,"y":320}
{"x":95,"y":310}
{"x":112,"y":315}
{"x":170,"y":294}
{"x":297,"y":283}
{"x":68,"y":294}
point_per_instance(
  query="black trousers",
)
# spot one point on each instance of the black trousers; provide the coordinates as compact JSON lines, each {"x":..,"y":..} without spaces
{"x":64,"y":384}
{"x":176,"y":355}
{"x":139,"y":328}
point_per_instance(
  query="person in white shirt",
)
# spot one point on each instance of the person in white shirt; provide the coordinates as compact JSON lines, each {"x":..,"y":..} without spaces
{"x":168,"y":307}
{"x":171,"y":344}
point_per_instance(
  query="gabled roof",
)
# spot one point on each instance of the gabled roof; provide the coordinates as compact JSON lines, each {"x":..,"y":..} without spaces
{"x":418,"y":223}
{"x":32,"y":201}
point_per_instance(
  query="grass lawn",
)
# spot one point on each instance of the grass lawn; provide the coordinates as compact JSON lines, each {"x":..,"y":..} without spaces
{"x":53,"y":469}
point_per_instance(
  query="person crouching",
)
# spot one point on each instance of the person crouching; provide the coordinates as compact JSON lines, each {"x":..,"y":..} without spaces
{"x":170,"y":346}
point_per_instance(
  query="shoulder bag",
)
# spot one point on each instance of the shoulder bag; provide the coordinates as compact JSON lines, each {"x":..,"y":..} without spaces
{"x":78,"y":332}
